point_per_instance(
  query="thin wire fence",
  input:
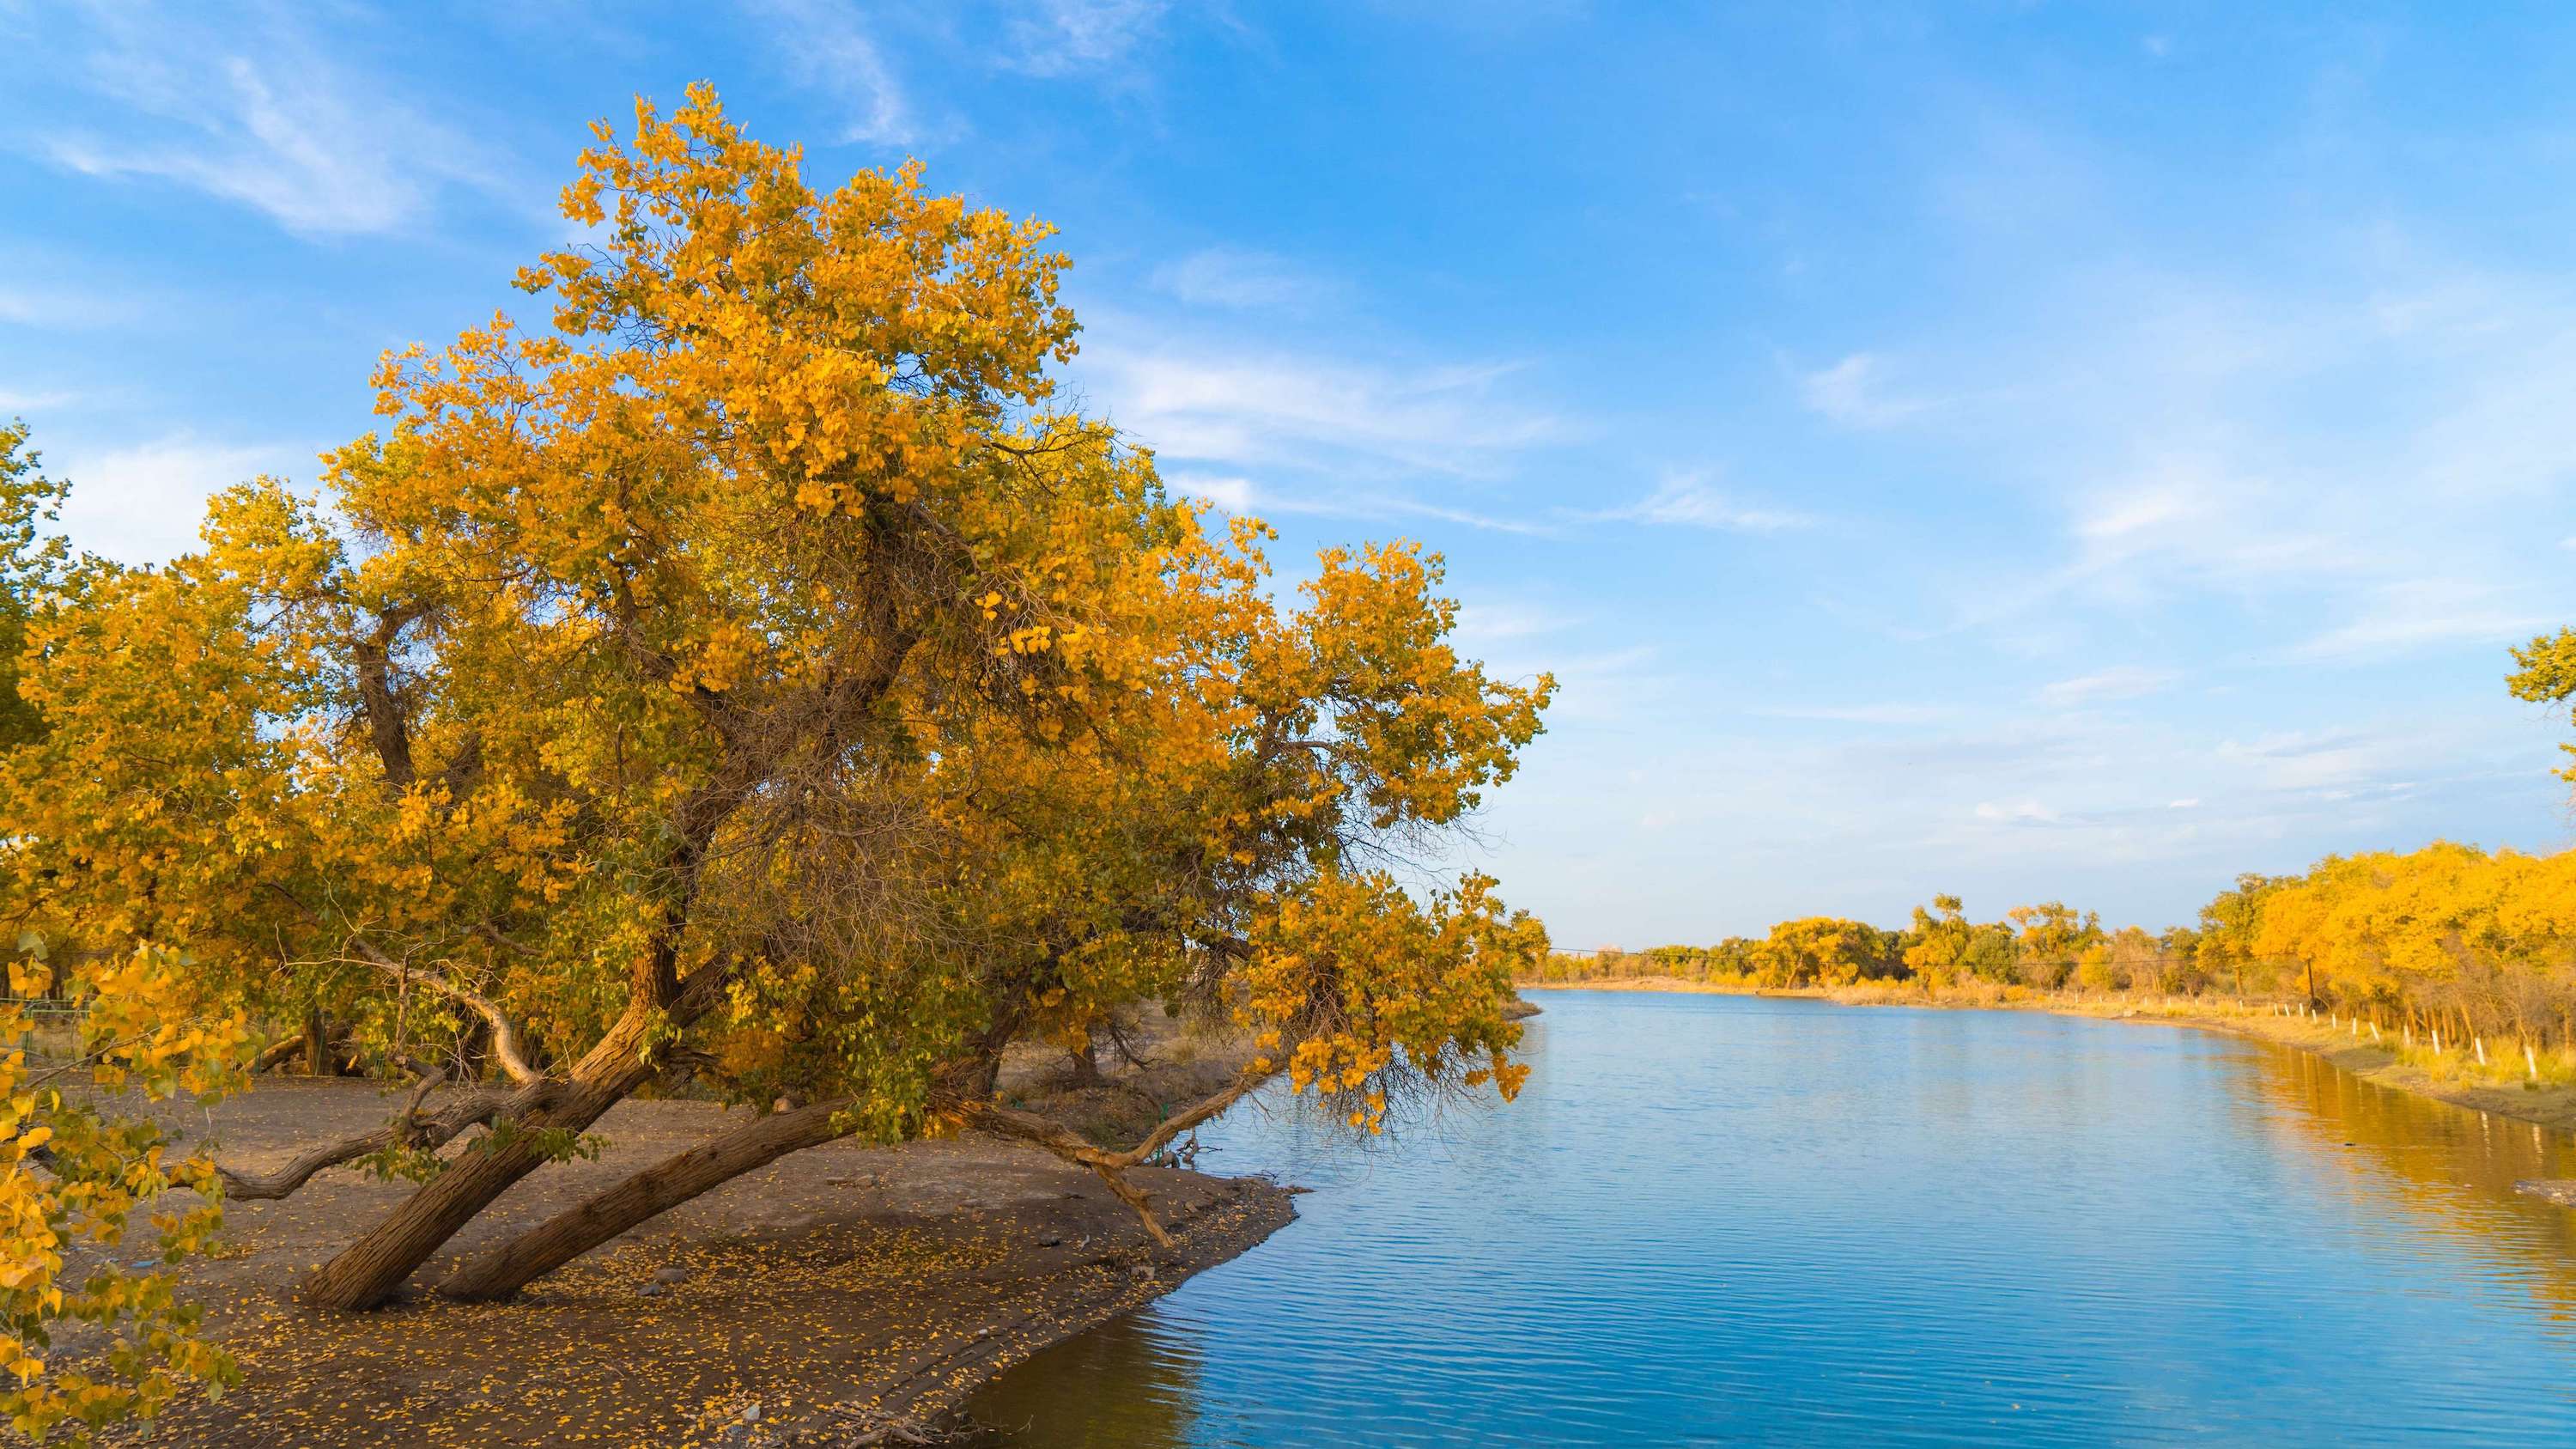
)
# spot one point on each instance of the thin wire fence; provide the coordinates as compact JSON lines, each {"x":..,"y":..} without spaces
{"x":47,"y":1006}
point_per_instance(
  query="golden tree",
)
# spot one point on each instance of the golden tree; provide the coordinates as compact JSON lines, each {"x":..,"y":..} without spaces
{"x":755,"y":677}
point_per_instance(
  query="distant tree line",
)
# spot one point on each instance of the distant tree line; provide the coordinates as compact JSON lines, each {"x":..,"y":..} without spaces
{"x":2450,"y":943}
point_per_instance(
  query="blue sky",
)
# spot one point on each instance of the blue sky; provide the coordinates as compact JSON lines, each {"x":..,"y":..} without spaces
{"x":2025,"y":450}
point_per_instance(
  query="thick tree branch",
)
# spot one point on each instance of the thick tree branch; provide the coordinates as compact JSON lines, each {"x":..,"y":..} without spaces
{"x":381,"y":701}
{"x":277,"y":1052}
{"x":407,"y":1129}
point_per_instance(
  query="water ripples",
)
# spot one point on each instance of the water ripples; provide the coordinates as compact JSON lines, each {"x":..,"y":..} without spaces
{"x":1719,"y":1220}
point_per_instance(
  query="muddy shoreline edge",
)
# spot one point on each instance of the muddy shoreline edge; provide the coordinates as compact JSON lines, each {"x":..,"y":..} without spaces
{"x":933,"y":1396}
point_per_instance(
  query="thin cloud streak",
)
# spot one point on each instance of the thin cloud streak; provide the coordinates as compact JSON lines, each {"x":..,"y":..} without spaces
{"x":1689,"y":501}
{"x":2426,"y":613}
{"x":1855,"y":393}
{"x":2106,"y":685}
{"x":1244,"y":281}
{"x":1866,"y":714}
{"x":826,"y":49}
{"x":1065,"y":37}
{"x":1219,"y":406}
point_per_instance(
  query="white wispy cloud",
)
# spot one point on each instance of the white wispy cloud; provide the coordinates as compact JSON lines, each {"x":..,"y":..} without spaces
{"x":1856,"y":393}
{"x":2312,"y":760}
{"x":2188,"y":521}
{"x":1242,"y":280}
{"x":2207,"y":434}
{"x":2120,"y":682}
{"x":2419,"y":613}
{"x":63,"y":306}
{"x":827,"y":48}
{"x":1485,"y":623}
{"x":1446,"y":513}
{"x":1061,"y":37}
{"x":1218,"y":405}
{"x":260,"y":110}
{"x":18,"y":400}
{"x":1868,"y":714}
{"x":1241,"y":496}
{"x":1691,"y":500}
{"x":1231,"y":492}
{"x":2024,"y":812}
{"x":1605,"y":687}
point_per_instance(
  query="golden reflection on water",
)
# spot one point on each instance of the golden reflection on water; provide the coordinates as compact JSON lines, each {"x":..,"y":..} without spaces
{"x":2448,"y":1170}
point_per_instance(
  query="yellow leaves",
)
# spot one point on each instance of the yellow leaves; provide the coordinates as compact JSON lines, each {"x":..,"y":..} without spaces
{"x":1380,"y":993}
{"x":28,"y":975}
{"x":100,"y":1171}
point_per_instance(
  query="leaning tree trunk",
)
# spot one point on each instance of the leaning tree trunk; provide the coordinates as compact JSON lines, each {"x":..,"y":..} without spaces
{"x":368,"y":1271}
{"x":502,"y":1271}
{"x":498,"y":1272}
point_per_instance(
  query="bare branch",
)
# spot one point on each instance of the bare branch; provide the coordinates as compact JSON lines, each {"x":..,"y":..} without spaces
{"x":1112,"y":1164}
{"x":508,"y":1047}
{"x":407,"y":1129}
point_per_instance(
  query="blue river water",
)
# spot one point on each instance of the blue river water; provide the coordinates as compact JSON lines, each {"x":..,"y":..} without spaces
{"x":1724,"y":1220}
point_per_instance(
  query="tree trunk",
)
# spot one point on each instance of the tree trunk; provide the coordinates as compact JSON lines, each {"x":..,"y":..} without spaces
{"x":368,"y":1271}
{"x":501,"y":1271}
{"x":498,"y":1272}
{"x":278,"y":1054}
{"x":317,"y":1045}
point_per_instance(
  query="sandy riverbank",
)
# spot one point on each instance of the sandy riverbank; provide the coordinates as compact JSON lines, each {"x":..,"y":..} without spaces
{"x":837,"y":1292}
{"x":2549,"y":1105}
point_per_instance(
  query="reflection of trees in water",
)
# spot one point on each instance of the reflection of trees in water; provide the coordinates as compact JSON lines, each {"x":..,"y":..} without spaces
{"x":1123,"y":1385}
{"x":2451,"y":1168}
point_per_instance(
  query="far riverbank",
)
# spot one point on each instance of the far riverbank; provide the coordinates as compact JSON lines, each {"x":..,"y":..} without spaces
{"x":2548,"y":1104}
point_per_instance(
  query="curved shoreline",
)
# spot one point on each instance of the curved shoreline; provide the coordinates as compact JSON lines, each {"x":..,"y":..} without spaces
{"x":1080,"y":1296}
{"x":2548,"y":1106}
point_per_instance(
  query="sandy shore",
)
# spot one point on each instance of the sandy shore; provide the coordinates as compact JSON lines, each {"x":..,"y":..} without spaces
{"x":818,"y":1301}
{"x":2550,"y":1106}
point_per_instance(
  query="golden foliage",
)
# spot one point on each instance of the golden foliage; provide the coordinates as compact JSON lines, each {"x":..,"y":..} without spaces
{"x":75,"y":1172}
